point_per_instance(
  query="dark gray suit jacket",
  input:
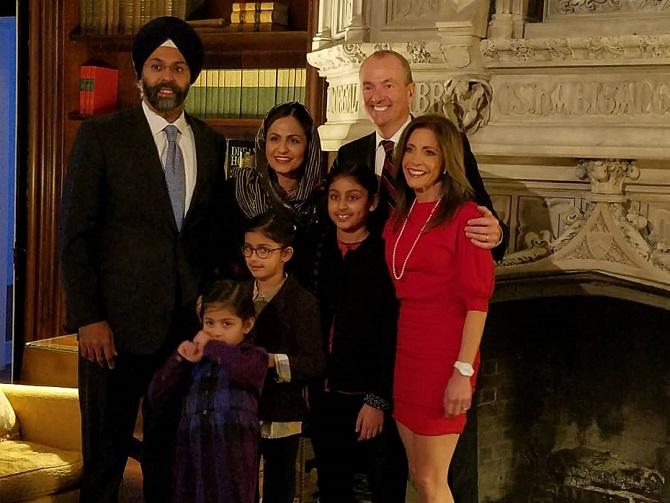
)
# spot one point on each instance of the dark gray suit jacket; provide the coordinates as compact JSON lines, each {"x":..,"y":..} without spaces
{"x":123,"y":259}
{"x":363,"y":150}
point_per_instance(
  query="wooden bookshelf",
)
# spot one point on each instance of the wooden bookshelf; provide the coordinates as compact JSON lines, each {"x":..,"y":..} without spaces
{"x":57,"y":49}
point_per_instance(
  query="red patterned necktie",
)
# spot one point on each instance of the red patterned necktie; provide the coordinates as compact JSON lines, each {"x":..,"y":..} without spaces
{"x":388,"y":178}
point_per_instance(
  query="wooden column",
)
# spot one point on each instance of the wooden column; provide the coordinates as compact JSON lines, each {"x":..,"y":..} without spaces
{"x":43,"y":303}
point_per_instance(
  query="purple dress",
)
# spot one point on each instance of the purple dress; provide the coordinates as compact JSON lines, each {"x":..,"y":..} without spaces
{"x":217,"y":440}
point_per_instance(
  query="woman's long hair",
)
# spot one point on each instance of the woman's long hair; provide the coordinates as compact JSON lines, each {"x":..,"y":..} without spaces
{"x":257,"y":190}
{"x":455,"y":187}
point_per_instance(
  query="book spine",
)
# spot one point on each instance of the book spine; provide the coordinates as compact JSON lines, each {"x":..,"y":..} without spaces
{"x":302,"y":85}
{"x":249,"y":98}
{"x":221,"y":94}
{"x":89,"y":91}
{"x":212,"y":93}
{"x":235,"y":109}
{"x":193,"y":98}
{"x":257,"y":17}
{"x":252,"y":6}
{"x":82,"y":89}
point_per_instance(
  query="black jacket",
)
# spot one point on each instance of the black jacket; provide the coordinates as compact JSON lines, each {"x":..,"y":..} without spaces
{"x":289,"y":324}
{"x":123,"y":259}
{"x":363,"y":151}
{"x":357,"y":300}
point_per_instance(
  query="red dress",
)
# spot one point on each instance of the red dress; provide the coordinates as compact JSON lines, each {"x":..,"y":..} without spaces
{"x":446,"y":276}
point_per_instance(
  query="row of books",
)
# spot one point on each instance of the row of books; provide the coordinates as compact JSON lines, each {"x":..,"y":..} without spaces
{"x":244,"y":92}
{"x":258,"y":16}
{"x":109,"y":17}
{"x":98,"y":89}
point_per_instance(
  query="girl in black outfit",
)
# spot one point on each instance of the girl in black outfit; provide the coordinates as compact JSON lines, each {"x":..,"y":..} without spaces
{"x":351,"y":406}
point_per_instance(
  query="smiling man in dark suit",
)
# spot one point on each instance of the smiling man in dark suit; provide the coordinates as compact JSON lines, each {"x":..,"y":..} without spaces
{"x":139,"y":224}
{"x":387,"y":88}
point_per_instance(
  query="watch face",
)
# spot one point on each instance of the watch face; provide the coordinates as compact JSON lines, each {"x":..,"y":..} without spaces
{"x":465,"y":369}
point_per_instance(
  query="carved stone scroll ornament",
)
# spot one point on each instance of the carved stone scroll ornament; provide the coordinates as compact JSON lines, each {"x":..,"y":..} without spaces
{"x":469,"y":102}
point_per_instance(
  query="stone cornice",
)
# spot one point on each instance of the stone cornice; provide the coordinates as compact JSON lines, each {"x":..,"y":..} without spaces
{"x":590,"y":51}
{"x":342,"y":57}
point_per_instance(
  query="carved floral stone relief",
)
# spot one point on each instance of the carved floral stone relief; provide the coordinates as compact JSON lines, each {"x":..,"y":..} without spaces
{"x":595,"y":7}
{"x":592,"y":51}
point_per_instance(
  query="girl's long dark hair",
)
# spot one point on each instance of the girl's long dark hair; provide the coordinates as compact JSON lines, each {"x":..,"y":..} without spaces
{"x":455,"y":188}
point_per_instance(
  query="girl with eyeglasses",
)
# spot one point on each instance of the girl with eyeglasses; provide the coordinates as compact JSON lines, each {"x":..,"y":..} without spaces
{"x":288,"y":327}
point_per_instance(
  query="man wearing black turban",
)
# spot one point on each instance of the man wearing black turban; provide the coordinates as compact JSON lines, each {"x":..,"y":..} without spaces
{"x":140,"y":229}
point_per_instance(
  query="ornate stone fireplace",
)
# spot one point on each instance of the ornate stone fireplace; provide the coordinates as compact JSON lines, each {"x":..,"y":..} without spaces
{"x":567,"y":107}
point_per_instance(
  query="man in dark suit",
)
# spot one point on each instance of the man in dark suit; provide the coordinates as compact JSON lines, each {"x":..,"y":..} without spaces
{"x":387,"y":87}
{"x":138,"y":233}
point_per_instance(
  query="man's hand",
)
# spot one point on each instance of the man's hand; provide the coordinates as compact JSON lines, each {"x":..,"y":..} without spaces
{"x":96,"y":344}
{"x":484,"y":231}
{"x":369,"y":423}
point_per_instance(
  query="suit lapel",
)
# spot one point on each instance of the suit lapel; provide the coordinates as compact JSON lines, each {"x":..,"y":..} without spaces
{"x":204,"y":165}
{"x":148,"y":165}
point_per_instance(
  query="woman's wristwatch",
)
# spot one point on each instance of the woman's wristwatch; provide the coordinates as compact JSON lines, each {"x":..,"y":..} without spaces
{"x":465,"y":369}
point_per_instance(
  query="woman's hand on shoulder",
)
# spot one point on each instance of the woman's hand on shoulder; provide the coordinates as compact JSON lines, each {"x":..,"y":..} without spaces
{"x":369,"y":423}
{"x":190,"y":351}
{"x":457,"y":395}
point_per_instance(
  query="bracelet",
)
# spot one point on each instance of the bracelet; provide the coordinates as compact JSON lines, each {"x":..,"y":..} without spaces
{"x":376,"y":401}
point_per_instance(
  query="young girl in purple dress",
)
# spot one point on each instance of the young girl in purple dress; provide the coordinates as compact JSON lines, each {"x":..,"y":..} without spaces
{"x":220,"y":375}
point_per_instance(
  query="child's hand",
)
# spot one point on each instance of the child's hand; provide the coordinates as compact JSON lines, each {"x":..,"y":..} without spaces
{"x":370,"y":422}
{"x":190,"y":351}
{"x":271,"y":361}
{"x":201,"y":339}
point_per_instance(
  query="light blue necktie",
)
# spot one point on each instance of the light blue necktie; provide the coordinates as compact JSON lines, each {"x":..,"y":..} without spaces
{"x":175,"y":175}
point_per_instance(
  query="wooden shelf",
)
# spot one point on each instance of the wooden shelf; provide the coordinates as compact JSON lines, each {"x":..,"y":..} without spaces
{"x":244,"y":127}
{"x":214,"y":41}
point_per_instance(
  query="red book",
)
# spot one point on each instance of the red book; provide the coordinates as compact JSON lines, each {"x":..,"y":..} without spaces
{"x":102,"y":89}
{"x":82,"y":90}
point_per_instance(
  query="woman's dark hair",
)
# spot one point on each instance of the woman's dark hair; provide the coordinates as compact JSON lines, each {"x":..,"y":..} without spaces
{"x":363,"y":175}
{"x":225,"y":293}
{"x":456,"y":188}
{"x":275,"y":227}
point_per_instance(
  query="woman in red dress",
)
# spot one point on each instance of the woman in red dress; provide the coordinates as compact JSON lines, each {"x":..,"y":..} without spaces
{"x":443,"y":283}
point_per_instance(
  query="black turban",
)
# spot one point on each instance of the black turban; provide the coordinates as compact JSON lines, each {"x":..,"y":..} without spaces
{"x":155,"y":32}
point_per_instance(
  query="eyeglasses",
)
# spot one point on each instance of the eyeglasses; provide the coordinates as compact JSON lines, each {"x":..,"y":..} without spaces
{"x":156,"y":68}
{"x":262,"y":252}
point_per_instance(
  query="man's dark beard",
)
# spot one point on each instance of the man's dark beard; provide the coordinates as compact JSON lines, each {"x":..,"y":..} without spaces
{"x":165,"y":104}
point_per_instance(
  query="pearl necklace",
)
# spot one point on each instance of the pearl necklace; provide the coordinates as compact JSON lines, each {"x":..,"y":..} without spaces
{"x":397,"y":240}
